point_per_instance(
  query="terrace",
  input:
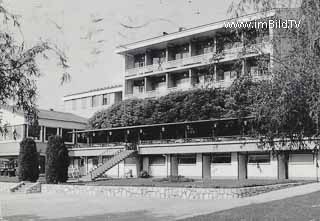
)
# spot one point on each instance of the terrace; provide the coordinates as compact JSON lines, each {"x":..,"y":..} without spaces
{"x":202,"y":131}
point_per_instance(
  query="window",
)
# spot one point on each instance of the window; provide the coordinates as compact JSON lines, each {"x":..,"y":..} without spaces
{"x":220,"y":75}
{"x":157,"y":160}
{"x":50,"y":131}
{"x":139,"y":60}
{"x":130,"y":160}
{"x":95,"y":161}
{"x":67,"y":135}
{"x":233,"y":75}
{"x":106,"y":99}
{"x":259,"y":158}
{"x":95,"y":101}
{"x":221,"y":158}
{"x":74,"y":104}
{"x":301,"y":158}
{"x":34,"y":132}
{"x":187,"y":159}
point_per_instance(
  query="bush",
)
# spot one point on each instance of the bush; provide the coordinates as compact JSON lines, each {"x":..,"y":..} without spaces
{"x":144,"y":174}
{"x":58,"y":160}
{"x":174,"y":179}
{"x":197,"y":104}
{"x":28,"y":161}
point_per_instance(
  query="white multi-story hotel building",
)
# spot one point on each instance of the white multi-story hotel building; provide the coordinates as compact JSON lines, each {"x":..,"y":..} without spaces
{"x":181,"y":60}
{"x":215,"y":148}
{"x":86,"y":103}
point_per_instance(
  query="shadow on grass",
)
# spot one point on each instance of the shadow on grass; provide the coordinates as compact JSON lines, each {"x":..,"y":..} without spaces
{"x":299,"y":208}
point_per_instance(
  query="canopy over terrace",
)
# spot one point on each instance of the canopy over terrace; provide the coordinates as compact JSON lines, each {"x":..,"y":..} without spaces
{"x":188,"y":131}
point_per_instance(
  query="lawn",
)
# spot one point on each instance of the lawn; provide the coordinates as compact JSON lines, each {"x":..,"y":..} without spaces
{"x":13,"y":179}
{"x":300,"y":208}
{"x":195,"y":183}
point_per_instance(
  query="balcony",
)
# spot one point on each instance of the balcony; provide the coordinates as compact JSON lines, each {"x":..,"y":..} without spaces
{"x":198,"y":60}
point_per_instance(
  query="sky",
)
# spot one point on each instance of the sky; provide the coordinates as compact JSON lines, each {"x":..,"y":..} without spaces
{"x":89,"y":32}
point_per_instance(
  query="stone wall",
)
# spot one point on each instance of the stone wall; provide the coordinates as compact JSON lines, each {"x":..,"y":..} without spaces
{"x":155,"y":192}
{"x":5,"y":187}
{"x":162,"y":192}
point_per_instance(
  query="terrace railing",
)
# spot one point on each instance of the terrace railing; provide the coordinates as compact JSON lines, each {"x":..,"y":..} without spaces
{"x":93,"y":145}
{"x":195,"y":140}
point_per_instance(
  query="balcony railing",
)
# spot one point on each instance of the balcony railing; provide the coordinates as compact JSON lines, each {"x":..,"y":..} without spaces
{"x":196,"y":140}
{"x":193,"y":60}
{"x":113,"y":145}
{"x":97,"y":145}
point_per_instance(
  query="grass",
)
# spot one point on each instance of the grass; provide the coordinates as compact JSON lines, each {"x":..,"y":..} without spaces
{"x":13,"y":179}
{"x":187,"y":183}
{"x":300,"y":208}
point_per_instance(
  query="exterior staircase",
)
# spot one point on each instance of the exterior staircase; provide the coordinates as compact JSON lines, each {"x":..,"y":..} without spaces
{"x":100,"y":170}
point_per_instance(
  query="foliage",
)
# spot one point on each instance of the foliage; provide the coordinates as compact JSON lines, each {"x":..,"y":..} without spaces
{"x":57,"y":161}
{"x":28,"y":161}
{"x":174,"y":179}
{"x":198,"y":104}
{"x":287,"y":106}
{"x":18,"y":67}
{"x":241,"y":97}
{"x":144,"y":174}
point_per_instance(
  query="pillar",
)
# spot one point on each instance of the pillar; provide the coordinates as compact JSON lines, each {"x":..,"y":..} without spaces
{"x":282,"y":165}
{"x":167,"y":54}
{"x":242,"y":166}
{"x":138,"y":165}
{"x":244,"y":67}
{"x":174,"y":165}
{"x":190,"y":77}
{"x":206,"y":166}
{"x":145,"y":163}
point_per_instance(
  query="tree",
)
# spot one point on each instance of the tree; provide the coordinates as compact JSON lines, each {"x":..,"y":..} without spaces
{"x":287,"y":106}
{"x":28,"y":161}
{"x":57,"y":160}
{"x":18,"y":67}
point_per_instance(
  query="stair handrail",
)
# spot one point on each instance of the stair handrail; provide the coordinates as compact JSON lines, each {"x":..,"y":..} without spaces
{"x":115,"y":153}
{"x":92,"y":171}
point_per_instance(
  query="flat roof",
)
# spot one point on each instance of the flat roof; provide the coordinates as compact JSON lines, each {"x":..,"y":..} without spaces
{"x":50,"y":115}
{"x":162,"y":124}
{"x":96,"y":89}
{"x":190,"y":31}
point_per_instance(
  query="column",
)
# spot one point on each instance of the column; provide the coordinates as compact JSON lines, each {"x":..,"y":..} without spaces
{"x":138,"y":164}
{"x":244,"y":67}
{"x":215,"y":45}
{"x":190,"y":77}
{"x":206,"y":166}
{"x":242,"y":166}
{"x":199,"y":164}
{"x":167,"y":54}
{"x":174,"y":165}
{"x":145,"y":163}
{"x":145,"y":84}
{"x":282,"y":166}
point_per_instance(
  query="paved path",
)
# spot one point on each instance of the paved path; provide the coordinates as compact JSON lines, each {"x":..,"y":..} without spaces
{"x":49,"y":206}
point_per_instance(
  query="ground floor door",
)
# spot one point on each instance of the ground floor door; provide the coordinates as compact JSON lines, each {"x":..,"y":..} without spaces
{"x":42,"y":163}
